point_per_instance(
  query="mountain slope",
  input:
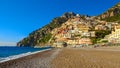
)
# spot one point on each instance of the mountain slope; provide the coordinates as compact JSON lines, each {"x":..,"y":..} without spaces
{"x":43,"y":35}
{"x":112,"y":14}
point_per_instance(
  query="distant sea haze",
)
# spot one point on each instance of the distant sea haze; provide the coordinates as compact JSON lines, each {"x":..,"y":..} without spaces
{"x":7,"y":43}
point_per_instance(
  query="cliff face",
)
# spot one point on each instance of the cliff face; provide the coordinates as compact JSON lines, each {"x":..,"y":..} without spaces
{"x":112,"y":14}
{"x":42,"y":36}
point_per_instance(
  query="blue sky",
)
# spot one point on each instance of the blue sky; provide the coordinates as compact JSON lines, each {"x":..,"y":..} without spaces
{"x":20,"y":17}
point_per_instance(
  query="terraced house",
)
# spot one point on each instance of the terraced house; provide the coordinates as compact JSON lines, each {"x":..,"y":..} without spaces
{"x":114,"y":37}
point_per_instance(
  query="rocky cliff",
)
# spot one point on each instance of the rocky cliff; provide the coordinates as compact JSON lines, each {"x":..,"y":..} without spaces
{"x":112,"y":14}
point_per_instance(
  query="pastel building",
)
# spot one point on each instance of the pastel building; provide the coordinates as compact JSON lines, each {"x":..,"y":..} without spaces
{"x":114,"y":37}
{"x":78,"y":41}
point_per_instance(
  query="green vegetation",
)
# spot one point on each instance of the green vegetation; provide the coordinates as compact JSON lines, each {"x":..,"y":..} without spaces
{"x":42,"y":35}
{"x":77,"y":35}
{"x":114,"y":11}
{"x":115,"y":18}
{"x":100,"y":34}
{"x":45,"y":39}
{"x":25,"y":41}
{"x":95,"y":40}
{"x":104,"y":41}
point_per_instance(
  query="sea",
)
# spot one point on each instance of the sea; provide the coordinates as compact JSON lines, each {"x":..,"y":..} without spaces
{"x":8,"y":53}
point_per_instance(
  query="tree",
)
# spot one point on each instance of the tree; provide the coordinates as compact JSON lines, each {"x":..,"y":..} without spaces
{"x":102,"y":33}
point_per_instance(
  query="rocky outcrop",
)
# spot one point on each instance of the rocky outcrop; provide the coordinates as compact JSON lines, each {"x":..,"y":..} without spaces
{"x":69,"y":15}
{"x":114,"y":11}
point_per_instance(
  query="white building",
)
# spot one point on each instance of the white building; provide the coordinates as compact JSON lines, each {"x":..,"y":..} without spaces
{"x":114,"y":37}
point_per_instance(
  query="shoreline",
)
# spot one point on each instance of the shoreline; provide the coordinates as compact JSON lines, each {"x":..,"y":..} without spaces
{"x":21,"y":55}
{"x":37,"y":60}
{"x":68,"y":58}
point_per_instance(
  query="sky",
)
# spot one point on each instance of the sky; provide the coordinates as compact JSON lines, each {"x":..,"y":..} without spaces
{"x":18,"y":18}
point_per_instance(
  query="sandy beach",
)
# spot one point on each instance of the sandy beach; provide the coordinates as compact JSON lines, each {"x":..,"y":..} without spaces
{"x":105,"y":57}
{"x":88,"y":58}
{"x":39,"y":60}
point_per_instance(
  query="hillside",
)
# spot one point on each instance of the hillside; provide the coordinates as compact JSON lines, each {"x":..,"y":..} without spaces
{"x":112,"y":14}
{"x":43,"y":35}
{"x":71,"y":29}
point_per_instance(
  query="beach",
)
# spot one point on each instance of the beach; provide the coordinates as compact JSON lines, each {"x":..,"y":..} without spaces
{"x":39,"y":60}
{"x":105,"y":57}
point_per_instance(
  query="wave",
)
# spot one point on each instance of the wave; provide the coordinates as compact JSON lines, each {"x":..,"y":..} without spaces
{"x":20,"y":55}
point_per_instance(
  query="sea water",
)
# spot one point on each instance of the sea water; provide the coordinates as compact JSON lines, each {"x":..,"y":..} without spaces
{"x":9,"y":52}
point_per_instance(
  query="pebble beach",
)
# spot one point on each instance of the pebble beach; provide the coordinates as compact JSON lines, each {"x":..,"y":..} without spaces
{"x":39,"y":60}
{"x":69,"y":58}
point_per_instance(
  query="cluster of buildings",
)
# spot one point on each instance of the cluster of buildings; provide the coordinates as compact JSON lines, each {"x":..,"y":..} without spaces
{"x":102,"y":25}
{"x":78,"y":32}
{"x":74,"y":32}
{"x":114,"y":37}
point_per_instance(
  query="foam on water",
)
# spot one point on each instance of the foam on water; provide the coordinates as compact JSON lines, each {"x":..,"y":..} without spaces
{"x":20,"y":55}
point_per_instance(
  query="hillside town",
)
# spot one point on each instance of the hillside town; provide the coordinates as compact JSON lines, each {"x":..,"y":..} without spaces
{"x":78,"y":32}
{"x":85,"y":35}
{"x":114,"y":37}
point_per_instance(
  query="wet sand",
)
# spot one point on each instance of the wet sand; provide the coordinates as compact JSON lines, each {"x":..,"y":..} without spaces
{"x":107,"y":57}
{"x":39,"y":60}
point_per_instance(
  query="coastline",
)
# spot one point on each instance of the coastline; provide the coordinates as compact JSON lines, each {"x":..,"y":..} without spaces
{"x":36,"y":60}
{"x":22,"y":55}
{"x":106,"y":57}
